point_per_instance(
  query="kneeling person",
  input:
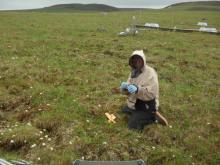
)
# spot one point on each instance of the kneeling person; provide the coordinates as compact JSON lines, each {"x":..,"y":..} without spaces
{"x":142,"y":89}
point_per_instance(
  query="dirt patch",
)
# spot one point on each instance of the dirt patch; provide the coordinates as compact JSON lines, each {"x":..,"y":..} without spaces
{"x":12,"y":104}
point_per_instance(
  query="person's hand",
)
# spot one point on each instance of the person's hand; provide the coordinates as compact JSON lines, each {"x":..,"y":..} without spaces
{"x":132,"y":88}
{"x":124,"y":85}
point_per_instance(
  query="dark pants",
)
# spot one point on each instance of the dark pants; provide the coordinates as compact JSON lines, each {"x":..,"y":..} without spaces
{"x":143,"y":114}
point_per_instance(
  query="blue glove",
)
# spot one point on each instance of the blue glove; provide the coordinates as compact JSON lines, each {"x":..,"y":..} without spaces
{"x":132,"y":89}
{"x":124,"y":85}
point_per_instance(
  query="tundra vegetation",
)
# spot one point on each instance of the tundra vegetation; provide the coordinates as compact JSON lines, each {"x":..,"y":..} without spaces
{"x":57,"y":80}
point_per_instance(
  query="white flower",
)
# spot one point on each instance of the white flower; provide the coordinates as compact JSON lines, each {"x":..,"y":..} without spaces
{"x":70,"y":142}
{"x":104,"y":143}
{"x":34,"y":145}
{"x":87,"y":121}
{"x":41,"y":138}
{"x":170,"y":126}
{"x":29,"y":124}
{"x":41,"y":132}
{"x":43,"y":144}
{"x":99,"y":105}
{"x":12,"y":141}
{"x":44,"y":130}
{"x":49,"y":139}
{"x":153,"y":147}
{"x":46,"y":136}
{"x":48,"y":104}
{"x":82,"y":158}
{"x":51,"y":148}
{"x":38,"y":158}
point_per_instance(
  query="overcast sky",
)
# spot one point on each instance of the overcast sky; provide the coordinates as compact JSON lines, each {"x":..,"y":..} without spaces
{"x":31,"y":4}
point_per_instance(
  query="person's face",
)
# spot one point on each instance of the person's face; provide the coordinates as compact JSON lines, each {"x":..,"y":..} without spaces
{"x":137,"y":62}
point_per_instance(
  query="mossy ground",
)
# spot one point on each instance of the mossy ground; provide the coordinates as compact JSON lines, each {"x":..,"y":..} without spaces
{"x":56,"y":78}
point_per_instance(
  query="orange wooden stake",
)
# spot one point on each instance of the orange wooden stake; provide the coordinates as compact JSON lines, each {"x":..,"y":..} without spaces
{"x":111,"y":117}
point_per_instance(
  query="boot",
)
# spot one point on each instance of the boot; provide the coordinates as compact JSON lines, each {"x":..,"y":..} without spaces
{"x":162,"y":120}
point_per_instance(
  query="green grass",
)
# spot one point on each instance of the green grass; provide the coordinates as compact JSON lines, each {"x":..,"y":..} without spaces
{"x":57,"y":73}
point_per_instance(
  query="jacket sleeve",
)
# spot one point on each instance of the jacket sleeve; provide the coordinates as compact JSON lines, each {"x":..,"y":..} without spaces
{"x":149,"y":90}
{"x":125,"y":91}
{"x":129,"y":79}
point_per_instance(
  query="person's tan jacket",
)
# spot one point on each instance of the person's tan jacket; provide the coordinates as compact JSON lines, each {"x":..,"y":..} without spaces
{"x":147,"y":83}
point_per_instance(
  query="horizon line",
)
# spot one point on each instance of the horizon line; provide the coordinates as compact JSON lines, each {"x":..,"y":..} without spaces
{"x":118,"y":6}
